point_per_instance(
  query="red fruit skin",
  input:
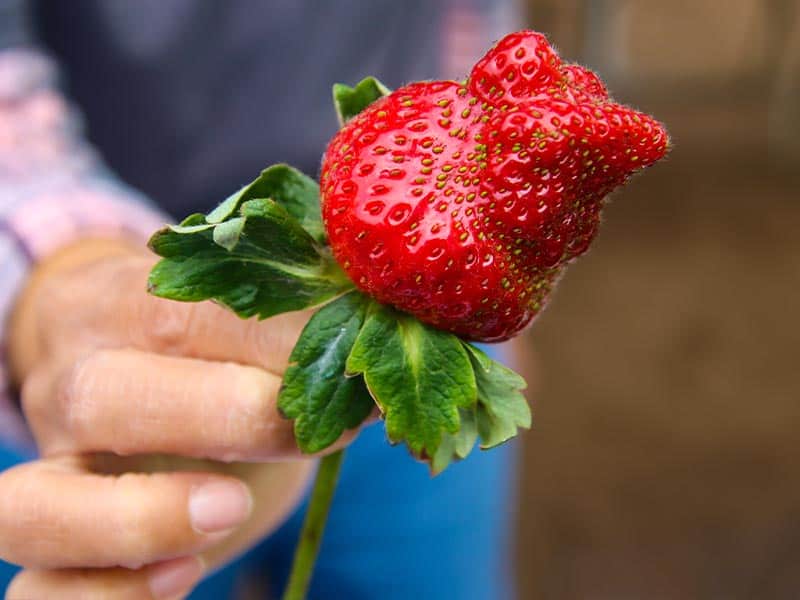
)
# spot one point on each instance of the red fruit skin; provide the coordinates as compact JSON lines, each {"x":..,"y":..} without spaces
{"x":461,"y":204}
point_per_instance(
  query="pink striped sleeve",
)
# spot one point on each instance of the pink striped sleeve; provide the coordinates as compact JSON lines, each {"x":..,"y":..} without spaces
{"x":54,"y":190}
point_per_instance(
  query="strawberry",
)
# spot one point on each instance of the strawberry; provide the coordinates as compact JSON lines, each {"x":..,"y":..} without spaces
{"x":462,"y":203}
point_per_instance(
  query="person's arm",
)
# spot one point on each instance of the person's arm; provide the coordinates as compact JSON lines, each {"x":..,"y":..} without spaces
{"x":54,"y":189}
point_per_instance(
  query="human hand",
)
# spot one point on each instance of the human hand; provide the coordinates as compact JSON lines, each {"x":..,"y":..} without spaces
{"x":112,"y":380}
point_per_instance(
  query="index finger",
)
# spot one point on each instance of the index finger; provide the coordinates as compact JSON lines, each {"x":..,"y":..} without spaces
{"x":113,"y":309}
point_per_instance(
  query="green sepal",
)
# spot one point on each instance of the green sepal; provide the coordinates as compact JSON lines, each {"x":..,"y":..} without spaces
{"x":456,"y":446}
{"x":227,"y":234}
{"x":316,"y":393}
{"x":192,"y":224}
{"x":498,"y":415}
{"x":349,"y":101}
{"x":419,"y":376}
{"x":502,"y":409}
{"x":296,"y":192}
{"x":262,"y":263}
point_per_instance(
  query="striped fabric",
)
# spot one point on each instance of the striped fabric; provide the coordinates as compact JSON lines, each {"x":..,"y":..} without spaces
{"x":53,"y":190}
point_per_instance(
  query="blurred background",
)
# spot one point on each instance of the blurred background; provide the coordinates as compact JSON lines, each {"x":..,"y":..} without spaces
{"x":665,"y":456}
{"x":664,"y":461}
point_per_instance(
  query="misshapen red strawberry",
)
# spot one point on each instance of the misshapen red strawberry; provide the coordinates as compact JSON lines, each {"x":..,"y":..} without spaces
{"x":461,"y":204}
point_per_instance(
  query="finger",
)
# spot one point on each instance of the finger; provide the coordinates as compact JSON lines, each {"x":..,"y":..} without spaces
{"x":53,"y":515}
{"x":124,"y":314}
{"x":277,"y":489}
{"x":132,"y":402}
{"x":164,"y":581}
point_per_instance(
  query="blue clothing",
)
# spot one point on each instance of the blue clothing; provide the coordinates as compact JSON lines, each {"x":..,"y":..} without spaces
{"x":8,"y":458}
{"x":187,"y":100}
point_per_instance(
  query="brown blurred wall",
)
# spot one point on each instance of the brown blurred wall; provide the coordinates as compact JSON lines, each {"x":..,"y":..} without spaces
{"x":664,"y":461}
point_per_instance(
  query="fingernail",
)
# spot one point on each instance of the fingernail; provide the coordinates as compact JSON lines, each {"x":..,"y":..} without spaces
{"x":219,"y":505}
{"x":175,"y":578}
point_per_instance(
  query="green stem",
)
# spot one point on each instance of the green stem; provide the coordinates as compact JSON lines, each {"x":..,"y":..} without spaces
{"x":313,"y":526}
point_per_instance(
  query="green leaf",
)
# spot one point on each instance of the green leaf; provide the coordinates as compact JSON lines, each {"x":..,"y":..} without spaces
{"x":419,"y":377}
{"x":296,"y":192}
{"x":227,"y":234}
{"x":316,"y":393}
{"x":262,"y":263}
{"x":350,"y":101}
{"x":502,"y":409}
{"x":192,"y":224}
{"x":456,"y":446}
{"x":227,"y":207}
